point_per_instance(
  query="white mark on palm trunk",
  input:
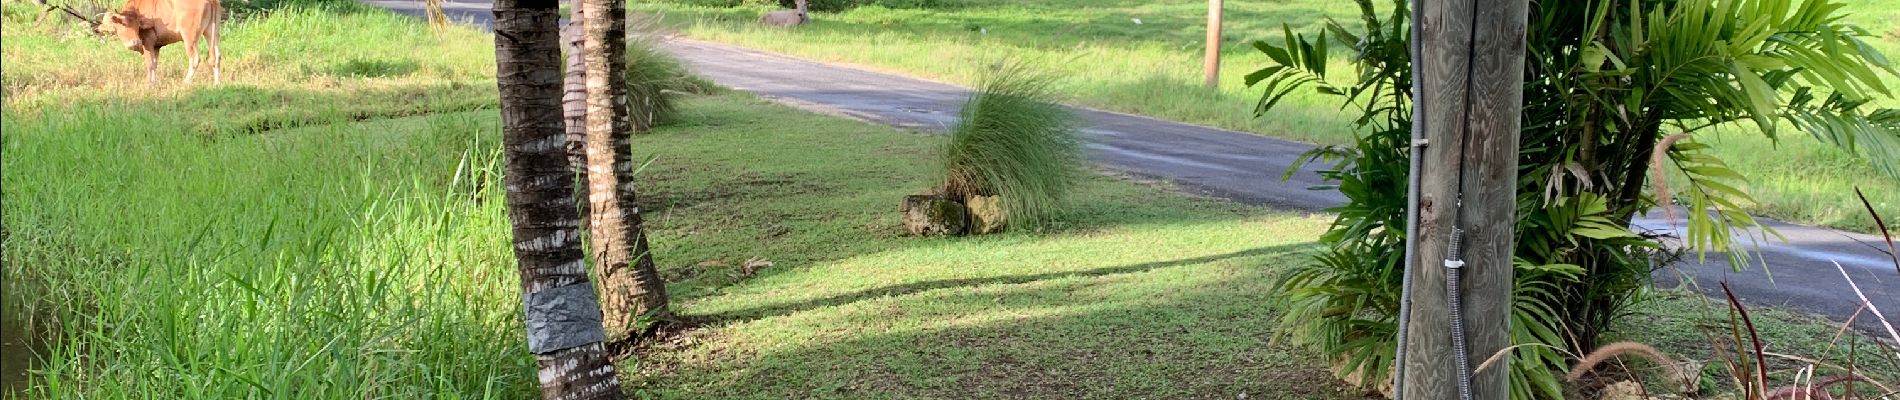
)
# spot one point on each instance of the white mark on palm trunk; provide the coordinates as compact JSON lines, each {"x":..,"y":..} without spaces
{"x":537,"y":183}
{"x":576,"y":267}
{"x":560,"y":237}
{"x":546,"y":144}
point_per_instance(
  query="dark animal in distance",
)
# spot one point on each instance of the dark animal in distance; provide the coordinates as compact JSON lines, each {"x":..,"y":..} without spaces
{"x":145,"y":26}
{"x":787,"y":18}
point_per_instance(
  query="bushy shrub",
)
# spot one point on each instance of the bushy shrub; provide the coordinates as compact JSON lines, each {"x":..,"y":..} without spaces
{"x":1014,"y":143}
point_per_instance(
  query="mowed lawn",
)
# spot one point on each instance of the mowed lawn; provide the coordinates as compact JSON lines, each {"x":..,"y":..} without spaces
{"x":1138,"y":292}
{"x":1144,"y":57}
{"x":328,"y":224}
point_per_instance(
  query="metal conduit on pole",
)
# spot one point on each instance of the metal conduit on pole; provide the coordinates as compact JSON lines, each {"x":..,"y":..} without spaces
{"x":1411,"y":209}
{"x":1468,"y":79}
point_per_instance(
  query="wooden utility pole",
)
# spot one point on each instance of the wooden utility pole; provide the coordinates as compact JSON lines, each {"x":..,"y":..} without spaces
{"x":1470,"y":72}
{"x":1211,"y":62}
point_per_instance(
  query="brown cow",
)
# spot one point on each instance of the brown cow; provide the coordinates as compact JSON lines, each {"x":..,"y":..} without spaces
{"x":147,"y":25}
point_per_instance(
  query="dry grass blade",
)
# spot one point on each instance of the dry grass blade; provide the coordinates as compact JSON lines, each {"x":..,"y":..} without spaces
{"x":1611,"y":351}
{"x":1499,"y":356}
{"x":1884,"y":387}
{"x":1869,"y":304}
{"x":1813,"y":390}
{"x":1845,"y":326}
{"x":1656,"y":177}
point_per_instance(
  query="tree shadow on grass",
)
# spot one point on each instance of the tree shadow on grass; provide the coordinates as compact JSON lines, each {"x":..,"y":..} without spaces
{"x":1182,"y":329}
{"x":916,"y":287}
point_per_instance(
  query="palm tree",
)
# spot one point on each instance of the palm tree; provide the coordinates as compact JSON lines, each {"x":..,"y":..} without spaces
{"x":562,"y":315}
{"x":630,"y":285}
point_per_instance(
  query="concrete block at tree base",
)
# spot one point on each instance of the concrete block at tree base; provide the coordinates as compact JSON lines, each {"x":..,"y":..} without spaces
{"x":929,"y":214}
{"x":986,"y":214}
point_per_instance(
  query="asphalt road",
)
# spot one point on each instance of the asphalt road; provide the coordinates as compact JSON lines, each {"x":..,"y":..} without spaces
{"x":1247,"y":168}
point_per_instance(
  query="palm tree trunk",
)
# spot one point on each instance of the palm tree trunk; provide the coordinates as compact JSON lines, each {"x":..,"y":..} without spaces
{"x":574,"y":107}
{"x":558,"y":304}
{"x":630,"y":285}
{"x":574,"y":100}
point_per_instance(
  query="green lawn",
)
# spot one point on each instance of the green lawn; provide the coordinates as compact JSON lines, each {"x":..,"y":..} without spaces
{"x":1154,"y":68}
{"x":311,"y":231}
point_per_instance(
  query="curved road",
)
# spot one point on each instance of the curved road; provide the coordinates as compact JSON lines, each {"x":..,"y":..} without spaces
{"x":1246,"y":167}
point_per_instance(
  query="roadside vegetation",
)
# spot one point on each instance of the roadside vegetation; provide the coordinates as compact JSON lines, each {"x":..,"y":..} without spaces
{"x":328,"y":224}
{"x":1143,"y":57}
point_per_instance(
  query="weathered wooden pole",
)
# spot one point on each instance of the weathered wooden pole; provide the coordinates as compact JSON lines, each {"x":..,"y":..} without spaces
{"x":1211,"y":62}
{"x":1470,"y":77}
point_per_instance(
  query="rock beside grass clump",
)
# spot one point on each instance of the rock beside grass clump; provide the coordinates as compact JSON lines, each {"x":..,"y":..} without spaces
{"x":987,"y":214}
{"x":933,"y":215}
{"x":936,"y":214}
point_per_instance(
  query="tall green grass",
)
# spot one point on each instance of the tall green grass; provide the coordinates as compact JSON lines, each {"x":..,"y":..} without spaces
{"x":296,"y":232}
{"x":325,"y":262}
{"x":1013,"y":142}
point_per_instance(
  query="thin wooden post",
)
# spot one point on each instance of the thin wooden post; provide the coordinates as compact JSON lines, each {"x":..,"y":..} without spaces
{"x":1470,"y":72}
{"x":1211,"y":62}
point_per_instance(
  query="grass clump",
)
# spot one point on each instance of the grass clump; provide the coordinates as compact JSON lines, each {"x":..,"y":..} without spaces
{"x":1014,"y":143}
{"x":654,"y":81}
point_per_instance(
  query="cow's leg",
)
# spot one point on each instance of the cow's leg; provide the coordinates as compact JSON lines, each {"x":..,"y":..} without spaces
{"x":217,"y":56}
{"x":191,"y":53}
{"x":151,"y":67}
